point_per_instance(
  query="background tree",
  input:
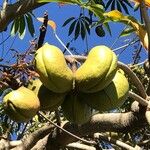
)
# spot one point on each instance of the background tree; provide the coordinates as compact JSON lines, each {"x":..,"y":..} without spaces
{"x":126,"y":127}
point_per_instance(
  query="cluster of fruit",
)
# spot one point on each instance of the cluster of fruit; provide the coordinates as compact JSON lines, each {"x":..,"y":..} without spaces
{"x":97,"y":84}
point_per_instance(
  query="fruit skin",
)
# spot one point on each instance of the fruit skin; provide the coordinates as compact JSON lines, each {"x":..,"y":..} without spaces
{"x":52,"y":68}
{"x":21,"y":104}
{"x":97,"y":71}
{"x":48,"y":99}
{"x":111,"y":97}
{"x":75,"y":110}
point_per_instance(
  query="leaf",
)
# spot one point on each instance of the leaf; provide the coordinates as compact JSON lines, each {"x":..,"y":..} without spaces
{"x":97,"y":9}
{"x":127,"y":32}
{"x":106,"y":25}
{"x":68,"y":20}
{"x":51,"y":23}
{"x":86,"y":25}
{"x":30,"y":24}
{"x":77,"y":30}
{"x":108,"y":4}
{"x":14,"y":27}
{"x":124,"y":7}
{"x":114,"y":15}
{"x":113,"y":5}
{"x":83,"y":30}
{"x":118,"y":6}
{"x":72,"y":26}
{"x":22,"y":28}
{"x":128,"y":3}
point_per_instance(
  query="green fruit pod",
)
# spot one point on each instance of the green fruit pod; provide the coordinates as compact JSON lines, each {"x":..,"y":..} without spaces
{"x":97,"y":71}
{"x":75,"y":110}
{"x":48,"y":99}
{"x":52,"y":68}
{"x":113,"y":96}
{"x":21,"y":104}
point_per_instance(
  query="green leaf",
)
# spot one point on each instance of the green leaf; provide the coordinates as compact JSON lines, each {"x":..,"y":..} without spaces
{"x":124,"y":7}
{"x":128,"y":3}
{"x":72,"y":27}
{"x":22,"y":27}
{"x":14,"y":27}
{"x":30,"y":24}
{"x":118,"y":6}
{"x":113,"y":5}
{"x":127,"y":32}
{"x":68,"y":21}
{"x":77,"y":30}
{"x":86,"y":25}
{"x":83,"y":30}
{"x":97,"y":9}
{"x":108,"y":4}
{"x":106,"y":25}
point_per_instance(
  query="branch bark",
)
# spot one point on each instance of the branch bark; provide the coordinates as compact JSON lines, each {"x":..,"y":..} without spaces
{"x":11,"y":11}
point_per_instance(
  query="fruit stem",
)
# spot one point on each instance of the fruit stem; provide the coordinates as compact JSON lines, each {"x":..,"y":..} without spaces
{"x":62,"y":43}
{"x":138,"y":98}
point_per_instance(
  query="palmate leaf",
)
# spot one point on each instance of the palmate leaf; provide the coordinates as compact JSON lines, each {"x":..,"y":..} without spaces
{"x":20,"y":23}
{"x":119,"y":5}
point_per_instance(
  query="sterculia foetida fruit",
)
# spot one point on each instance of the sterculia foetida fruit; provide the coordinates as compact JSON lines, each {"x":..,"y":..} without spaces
{"x":111,"y":97}
{"x":97,"y":71}
{"x":21,"y":104}
{"x":48,"y":99}
{"x":52,"y":68}
{"x":75,"y":110}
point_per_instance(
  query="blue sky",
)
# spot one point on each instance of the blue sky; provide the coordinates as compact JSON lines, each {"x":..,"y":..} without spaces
{"x":59,"y":15}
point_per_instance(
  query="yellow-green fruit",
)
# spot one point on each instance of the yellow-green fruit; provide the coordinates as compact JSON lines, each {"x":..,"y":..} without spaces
{"x":21,"y":104}
{"x":48,"y":99}
{"x":52,"y":68}
{"x":75,"y":110}
{"x":111,"y":97}
{"x":97,"y":71}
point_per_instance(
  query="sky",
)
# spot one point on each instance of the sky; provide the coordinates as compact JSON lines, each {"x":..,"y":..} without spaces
{"x":59,"y":14}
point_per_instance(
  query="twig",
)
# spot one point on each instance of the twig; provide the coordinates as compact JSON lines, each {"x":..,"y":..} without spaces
{"x":61,"y":42}
{"x":83,"y":140}
{"x":133,"y":78}
{"x":138,"y":98}
{"x":43,"y":30}
{"x":116,"y":142}
{"x":124,"y":46}
{"x":80,"y":146}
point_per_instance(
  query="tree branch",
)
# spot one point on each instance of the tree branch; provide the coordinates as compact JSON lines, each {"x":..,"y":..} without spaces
{"x":12,"y":11}
{"x":116,"y":142}
{"x":29,"y":142}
